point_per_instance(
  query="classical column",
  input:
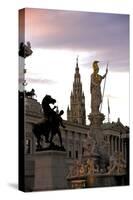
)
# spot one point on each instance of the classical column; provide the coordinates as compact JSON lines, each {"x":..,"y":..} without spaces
{"x":112,"y":144}
{"x":108,"y":141}
{"x":125,"y":156}
{"x":34,"y":142}
{"x":115,"y":144}
{"x":122,"y":147}
{"x":119,"y":143}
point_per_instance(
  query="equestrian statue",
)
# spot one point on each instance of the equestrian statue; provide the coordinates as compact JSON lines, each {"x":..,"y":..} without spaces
{"x":50,"y":125}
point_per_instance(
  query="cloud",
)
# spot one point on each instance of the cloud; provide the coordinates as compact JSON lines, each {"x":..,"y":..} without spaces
{"x":38,"y":81}
{"x":111,"y":97}
{"x":105,"y":34}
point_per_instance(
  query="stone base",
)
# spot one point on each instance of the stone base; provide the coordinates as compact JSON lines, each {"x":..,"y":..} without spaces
{"x":29,"y":174}
{"x":95,"y":157}
{"x":96,"y":119}
{"x":49,"y":171}
{"x":101,"y":180}
{"x":105,"y":181}
{"x":96,"y":132}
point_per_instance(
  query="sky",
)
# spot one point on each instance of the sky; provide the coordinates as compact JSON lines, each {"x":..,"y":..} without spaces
{"x":58,"y":37}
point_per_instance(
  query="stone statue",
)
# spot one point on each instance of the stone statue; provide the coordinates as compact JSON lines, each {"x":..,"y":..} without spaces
{"x":30,"y":94}
{"x":90,"y":166}
{"x":25,"y":50}
{"x":82,"y":170}
{"x":95,"y":88}
{"x":76,"y":170}
{"x":117,"y":164}
{"x":90,"y":146}
{"x":56,"y":126}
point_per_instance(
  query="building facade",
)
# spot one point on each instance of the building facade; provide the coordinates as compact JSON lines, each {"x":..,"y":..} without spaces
{"x":74,"y":137}
{"x":75,"y":134}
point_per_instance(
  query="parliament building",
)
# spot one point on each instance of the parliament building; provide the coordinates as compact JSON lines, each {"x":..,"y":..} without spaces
{"x":75,"y":133}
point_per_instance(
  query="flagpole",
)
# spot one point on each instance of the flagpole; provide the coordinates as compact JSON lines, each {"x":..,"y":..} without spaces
{"x":108,"y":118}
{"x":108,"y":109}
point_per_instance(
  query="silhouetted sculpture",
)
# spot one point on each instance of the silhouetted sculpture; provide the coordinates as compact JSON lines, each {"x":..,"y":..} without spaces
{"x":49,"y":114}
{"x":25,"y":50}
{"x":47,"y":110}
{"x":95,"y":89}
{"x":30,"y":94}
{"x":55,"y":127}
{"x":50,"y":124}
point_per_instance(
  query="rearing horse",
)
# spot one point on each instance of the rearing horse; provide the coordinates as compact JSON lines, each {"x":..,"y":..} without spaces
{"x":43,"y":128}
{"x":51,"y":123}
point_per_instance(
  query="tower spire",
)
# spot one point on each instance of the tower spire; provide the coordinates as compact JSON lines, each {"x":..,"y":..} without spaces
{"x":76,"y":112}
{"x":77,"y":65}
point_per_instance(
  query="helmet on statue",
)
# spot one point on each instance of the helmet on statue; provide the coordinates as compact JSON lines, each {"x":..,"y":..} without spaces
{"x":95,"y":65}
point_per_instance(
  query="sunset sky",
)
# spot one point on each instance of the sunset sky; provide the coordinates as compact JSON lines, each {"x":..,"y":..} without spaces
{"x":57,"y":37}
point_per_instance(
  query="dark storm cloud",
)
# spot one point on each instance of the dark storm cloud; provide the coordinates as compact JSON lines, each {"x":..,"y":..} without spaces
{"x":106,"y":34}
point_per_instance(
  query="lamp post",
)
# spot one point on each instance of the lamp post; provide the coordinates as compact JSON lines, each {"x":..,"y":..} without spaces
{"x":24,"y":52}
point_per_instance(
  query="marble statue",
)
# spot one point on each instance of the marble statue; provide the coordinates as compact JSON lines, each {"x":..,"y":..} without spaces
{"x":117,"y":164}
{"x":95,"y":88}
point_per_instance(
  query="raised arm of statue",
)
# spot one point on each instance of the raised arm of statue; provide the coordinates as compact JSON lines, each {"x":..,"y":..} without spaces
{"x":105,"y":74}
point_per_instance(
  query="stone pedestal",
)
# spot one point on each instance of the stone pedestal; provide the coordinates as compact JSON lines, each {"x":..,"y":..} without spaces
{"x":29,"y":173}
{"x":96,"y":120}
{"x":99,"y":152}
{"x":103,"y":180}
{"x":99,"y":180}
{"x":50,"y":170}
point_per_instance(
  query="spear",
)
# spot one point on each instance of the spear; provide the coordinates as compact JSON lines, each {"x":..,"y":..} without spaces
{"x":104,"y":88}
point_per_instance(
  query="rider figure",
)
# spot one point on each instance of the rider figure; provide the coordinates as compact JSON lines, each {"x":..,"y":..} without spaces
{"x":56,"y":126}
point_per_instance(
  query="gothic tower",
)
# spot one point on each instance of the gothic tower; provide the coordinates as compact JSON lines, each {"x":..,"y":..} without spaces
{"x":76,"y":113}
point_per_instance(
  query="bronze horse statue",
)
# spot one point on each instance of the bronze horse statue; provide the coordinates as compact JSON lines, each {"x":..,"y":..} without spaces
{"x":50,"y":123}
